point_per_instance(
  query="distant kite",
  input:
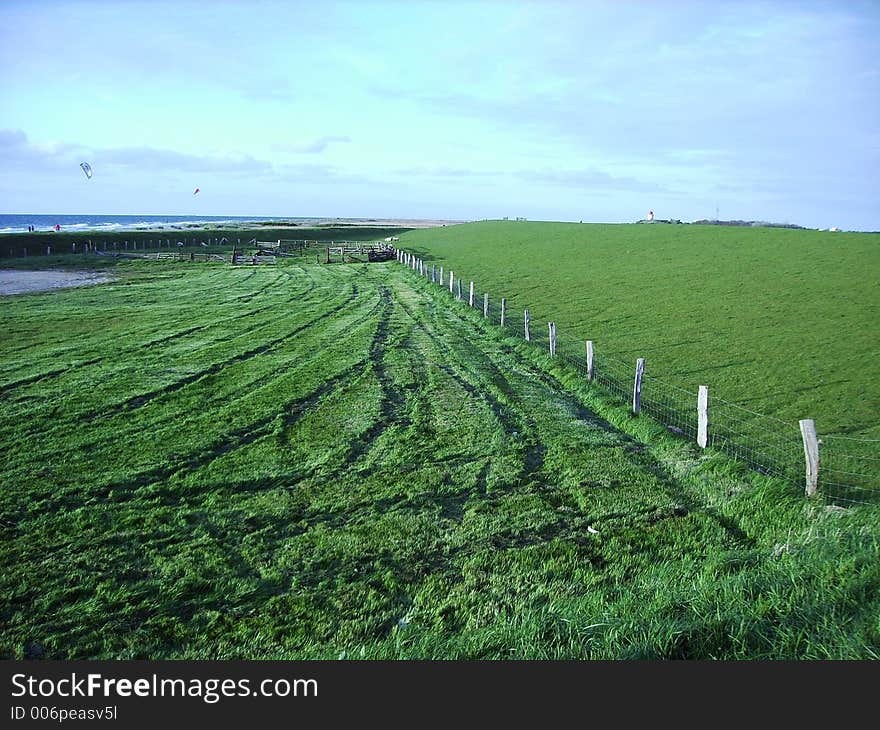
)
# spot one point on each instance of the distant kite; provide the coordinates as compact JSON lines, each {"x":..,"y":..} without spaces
{"x":87,"y":169}
{"x":195,"y":191}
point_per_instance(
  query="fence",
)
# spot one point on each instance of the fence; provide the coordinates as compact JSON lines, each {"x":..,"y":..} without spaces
{"x":844,"y":469}
{"x":142,"y":247}
{"x":133,"y":244}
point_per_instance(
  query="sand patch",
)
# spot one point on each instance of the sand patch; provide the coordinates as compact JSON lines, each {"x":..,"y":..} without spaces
{"x":14,"y":281}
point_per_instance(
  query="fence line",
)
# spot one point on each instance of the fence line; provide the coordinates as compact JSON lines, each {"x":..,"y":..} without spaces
{"x":171,"y":242}
{"x":843,"y":468}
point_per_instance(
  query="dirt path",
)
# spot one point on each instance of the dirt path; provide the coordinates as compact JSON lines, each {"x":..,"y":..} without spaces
{"x":14,"y":281}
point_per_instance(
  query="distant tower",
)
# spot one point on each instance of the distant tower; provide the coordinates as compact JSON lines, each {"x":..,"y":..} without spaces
{"x":650,"y":215}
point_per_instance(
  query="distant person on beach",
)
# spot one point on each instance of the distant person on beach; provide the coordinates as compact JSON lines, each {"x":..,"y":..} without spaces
{"x":57,"y":228}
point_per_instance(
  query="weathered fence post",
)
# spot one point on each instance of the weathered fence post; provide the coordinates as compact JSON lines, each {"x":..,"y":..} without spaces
{"x":451,"y":273}
{"x":440,"y":280}
{"x":526,"y":323}
{"x":552,"y":327}
{"x":458,"y":291}
{"x":48,"y":250}
{"x":471,"y":296}
{"x":74,"y":246}
{"x":811,"y":454}
{"x":503,"y":310}
{"x":703,"y":416}
{"x":589,"y":360}
{"x":433,"y":273}
{"x":485,"y":306}
{"x":637,"y":387}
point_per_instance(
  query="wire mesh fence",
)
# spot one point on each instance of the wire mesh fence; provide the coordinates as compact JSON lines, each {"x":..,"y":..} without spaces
{"x":849,"y":467}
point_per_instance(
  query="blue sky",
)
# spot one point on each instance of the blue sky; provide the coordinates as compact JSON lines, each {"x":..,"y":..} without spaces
{"x":594,"y":111}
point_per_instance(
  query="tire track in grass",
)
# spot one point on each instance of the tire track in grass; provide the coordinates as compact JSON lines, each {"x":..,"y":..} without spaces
{"x":680,"y":500}
{"x":9,"y":387}
{"x":143,"y":399}
{"x":392,"y":402}
{"x":240,"y":385}
{"x":30,"y":380}
{"x":290,"y":413}
{"x":348,"y":327}
{"x":516,"y":424}
{"x":317,"y":354}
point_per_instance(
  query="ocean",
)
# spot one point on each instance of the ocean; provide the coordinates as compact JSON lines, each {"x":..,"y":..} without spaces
{"x":18,"y":223}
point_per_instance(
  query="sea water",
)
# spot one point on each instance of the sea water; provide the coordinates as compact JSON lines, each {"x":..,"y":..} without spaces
{"x":18,"y":223}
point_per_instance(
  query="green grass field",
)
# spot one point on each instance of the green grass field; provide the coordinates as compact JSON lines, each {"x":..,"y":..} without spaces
{"x":306,"y":461}
{"x":782,"y":322}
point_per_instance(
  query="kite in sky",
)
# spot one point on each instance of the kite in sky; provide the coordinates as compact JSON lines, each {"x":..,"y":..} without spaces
{"x":87,"y":169}
{"x":195,"y":191}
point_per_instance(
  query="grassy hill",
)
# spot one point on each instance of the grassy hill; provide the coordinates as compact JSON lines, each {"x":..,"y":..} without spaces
{"x":782,"y":322}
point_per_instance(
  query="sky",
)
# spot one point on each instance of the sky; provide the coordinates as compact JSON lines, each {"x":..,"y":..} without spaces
{"x":568,"y":111}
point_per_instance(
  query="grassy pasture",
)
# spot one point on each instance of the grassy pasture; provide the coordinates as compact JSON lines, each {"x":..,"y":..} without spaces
{"x":780,"y":321}
{"x":307,"y":461}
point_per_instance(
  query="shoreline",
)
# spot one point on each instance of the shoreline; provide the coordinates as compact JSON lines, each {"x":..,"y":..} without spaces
{"x":232,"y":224}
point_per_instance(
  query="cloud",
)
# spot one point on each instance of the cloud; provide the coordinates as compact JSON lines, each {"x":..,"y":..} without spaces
{"x":314,"y":147}
{"x":448,"y":172}
{"x":151,"y":158}
{"x":17,"y":150}
{"x":588,"y":179}
{"x":314,"y":174}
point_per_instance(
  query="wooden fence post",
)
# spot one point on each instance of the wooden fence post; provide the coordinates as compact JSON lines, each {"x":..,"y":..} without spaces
{"x":590,"y":360}
{"x":637,"y":387}
{"x":451,"y":274}
{"x":526,"y":323}
{"x":48,"y":250}
{"x":485,"y":306}
{"x":503,"y":310}
{"x":471,"y":296}
{"x":811,"y":454}
{"x":433,"y":273}
{"x":458,"y":291}
{"x":552,"y":327}
{"x":74,"y":246}
{"x":440,"y":279}
{"x":703,"y":416}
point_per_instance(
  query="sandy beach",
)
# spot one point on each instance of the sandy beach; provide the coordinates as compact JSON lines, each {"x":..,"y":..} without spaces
{"x":15,"y":281}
